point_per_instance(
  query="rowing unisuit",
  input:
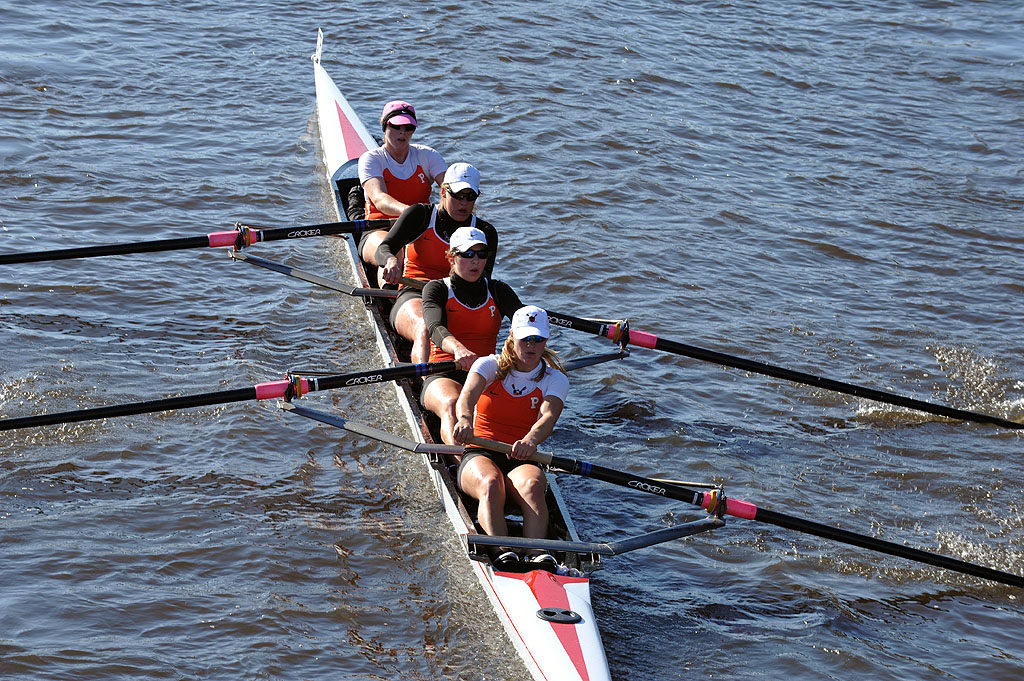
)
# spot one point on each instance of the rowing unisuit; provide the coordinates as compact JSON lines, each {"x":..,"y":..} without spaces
{"x":469,"y":310}
{"x":507,"y":409}
{"x":409,"y":182}
{"x":426,"y":231}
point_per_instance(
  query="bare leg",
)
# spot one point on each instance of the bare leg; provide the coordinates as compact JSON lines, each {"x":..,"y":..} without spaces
{"x":410,"y":325}
{"x":527,"y":486}
{"x":483,"y":481}
{"x":440,"y":398}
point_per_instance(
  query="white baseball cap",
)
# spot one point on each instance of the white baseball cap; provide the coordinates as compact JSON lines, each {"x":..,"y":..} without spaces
{"x":530,"y":321}
{"x":465,"y":238}
{"x":461,"y":176}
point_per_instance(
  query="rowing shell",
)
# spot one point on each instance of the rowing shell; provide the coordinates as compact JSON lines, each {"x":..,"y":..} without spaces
{"x":547,"y":616}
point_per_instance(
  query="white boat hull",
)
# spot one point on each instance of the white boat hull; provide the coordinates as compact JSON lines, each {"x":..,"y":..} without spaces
{"x":565,"y":650}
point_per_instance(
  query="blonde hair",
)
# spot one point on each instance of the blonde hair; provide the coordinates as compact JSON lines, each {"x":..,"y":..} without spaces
{"x":507,"y":360}
{"x":451,"y":253}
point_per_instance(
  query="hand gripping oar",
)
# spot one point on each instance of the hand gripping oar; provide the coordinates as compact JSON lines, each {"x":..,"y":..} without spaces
{"x":244,"y":235}
{"x":622,"y":334}
{"x":295,"y":386}
{"x":716,"y":502}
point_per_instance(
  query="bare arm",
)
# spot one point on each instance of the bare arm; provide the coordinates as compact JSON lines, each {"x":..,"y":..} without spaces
{"x":377,"y":192}
{"x":550,"y":410}
{"x":464,"y":357}
{"x":466,"y":406}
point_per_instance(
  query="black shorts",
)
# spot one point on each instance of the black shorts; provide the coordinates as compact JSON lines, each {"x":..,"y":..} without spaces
{"x":362,"y":240}
{"x":404,"y":296}
{"x":459,"y":376}
{"x":505,"y":464}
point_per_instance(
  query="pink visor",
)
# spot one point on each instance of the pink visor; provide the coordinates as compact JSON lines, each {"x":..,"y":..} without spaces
{"x":398,"y":113}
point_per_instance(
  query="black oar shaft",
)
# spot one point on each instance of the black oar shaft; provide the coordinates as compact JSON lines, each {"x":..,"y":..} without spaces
{"x":648,"y":340}
{"x":149,"y":406}
{"x":322,"y":229}
{"x":249,"y":235}
{"x":263,"y":391}
{"x":106,"y":249}
{"x":742,"y":509}
{"x":883,"y":546}
{"x":706,"y":500}
{"x":831,"y":384}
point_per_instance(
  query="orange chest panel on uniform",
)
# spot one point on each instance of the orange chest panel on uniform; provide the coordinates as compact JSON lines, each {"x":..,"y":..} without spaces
{"x":505,"y":416}
{"x":414,"y":189}
{"x":426,"y":258}
{"x":477,"y":328}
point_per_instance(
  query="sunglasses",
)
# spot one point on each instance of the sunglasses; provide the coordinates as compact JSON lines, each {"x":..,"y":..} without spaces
{"x":407,"y":127}
{"x":467,"y":195}
{"x":469,"y":255}
{"x":536,"y":340}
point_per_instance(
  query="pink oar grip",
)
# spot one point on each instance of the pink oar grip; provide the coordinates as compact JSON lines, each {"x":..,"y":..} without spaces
{"x":741,"y":509}
{"x":639,"y":338}
{"x":268,"y":391}
{"x":222,"y":238}
{"x":734,"y":507}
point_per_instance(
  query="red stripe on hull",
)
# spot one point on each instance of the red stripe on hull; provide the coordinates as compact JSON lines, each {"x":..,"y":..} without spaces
{"x":550,"y":592}
{"x":354,"y":146}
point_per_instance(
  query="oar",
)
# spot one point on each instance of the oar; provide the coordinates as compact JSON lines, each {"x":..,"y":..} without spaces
{"x":413,"y":283}
{"x":332,"y":284}
{"x":713,"y":501}
{"x":622,"y":334}
{"x":244,"y":235}
{"x":296,"y":386}
{"x":716,"y":502}
{"x":604,"y":548}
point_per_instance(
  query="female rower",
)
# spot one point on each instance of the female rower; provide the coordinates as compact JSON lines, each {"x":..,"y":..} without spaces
{"x":424,"y":231}
{"x":463,"y":314}
{"x":513,"y":397}
{"x":396,"y":174}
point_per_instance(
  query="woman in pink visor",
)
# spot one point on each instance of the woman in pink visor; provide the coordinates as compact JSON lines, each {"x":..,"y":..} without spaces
{"x":396,"y":174}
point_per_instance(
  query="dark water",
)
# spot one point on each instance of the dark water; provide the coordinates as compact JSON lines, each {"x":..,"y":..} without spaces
{"x":833,"y":187}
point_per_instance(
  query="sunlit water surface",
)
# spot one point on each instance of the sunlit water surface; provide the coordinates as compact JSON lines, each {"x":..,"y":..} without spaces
{"x":832,"y":187}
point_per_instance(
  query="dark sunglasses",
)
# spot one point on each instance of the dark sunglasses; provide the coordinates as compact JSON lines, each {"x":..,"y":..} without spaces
{"x":468,"y":195}
{"x":536,"y":340}
{"x":474,"y":254}
{"x":407,"y":127}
